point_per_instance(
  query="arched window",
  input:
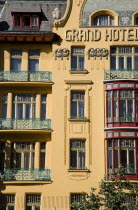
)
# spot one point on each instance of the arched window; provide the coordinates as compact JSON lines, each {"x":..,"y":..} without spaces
{"x":103,"y":20}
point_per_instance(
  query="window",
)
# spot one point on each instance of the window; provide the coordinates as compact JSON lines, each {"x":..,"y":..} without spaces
{"x":130,"y":202}
{"x":103,"y":20}
{"x":2,"y":155}
{"x":7,"y":202}
{"x":34,"y":20}
{"x":25,"y":20}
{"x":33,"y":201}
{"x":24,"y":106}
{"x":126,"y":150}
{"x":22,"y":155}
{"x":120,"y":106}
{"x":136,"y":20}
{"x":42,"y":155}
{"x":124,"y":58}
{"x":43,"y":106}
{"x":77,"y":58}
{"x":34,"y":60}
{"x":16,"y":60}
{"x":77,"y":104}
{"x":75,"y":197}
{"x":77,"y":154}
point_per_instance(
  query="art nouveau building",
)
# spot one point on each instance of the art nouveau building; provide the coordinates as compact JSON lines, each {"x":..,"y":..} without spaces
{"x":68,"y":99}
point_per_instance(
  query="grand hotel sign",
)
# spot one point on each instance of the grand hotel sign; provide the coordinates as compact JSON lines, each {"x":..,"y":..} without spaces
{"x":122,"y":34}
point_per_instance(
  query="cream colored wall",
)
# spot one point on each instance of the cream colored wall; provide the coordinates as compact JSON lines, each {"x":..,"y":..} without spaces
{"x":55,"y":195}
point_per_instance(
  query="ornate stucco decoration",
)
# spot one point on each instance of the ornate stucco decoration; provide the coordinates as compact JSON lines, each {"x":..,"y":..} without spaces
{"x":98,"y":52}
{"x":61,"y":22}
{"x":56,"y":14}
{"x":61,"y":53}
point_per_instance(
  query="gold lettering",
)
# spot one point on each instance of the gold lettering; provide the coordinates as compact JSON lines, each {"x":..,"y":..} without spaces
{"x":136,"y":34}
{"x":81,"y":35}
{"x":75,"y":34}
{"x":129,"y":35}
{"x":122,"y":34}
{"x":97,"y":35}
{"x":108,"y":35}
{"x":115,"y":34}
{"x":68,"y":36}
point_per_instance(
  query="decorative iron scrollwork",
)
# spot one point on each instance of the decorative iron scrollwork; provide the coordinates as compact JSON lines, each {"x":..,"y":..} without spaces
{"x":61,"y":53}
{"x":97,"y":52}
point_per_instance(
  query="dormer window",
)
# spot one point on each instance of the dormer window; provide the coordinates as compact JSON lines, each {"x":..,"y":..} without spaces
{"x":103,"y":20}
{"x":136,"y":21}
{"x":26,"y":20}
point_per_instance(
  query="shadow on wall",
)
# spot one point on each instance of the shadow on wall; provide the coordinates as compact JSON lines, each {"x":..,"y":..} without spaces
{"x":4,"y":26}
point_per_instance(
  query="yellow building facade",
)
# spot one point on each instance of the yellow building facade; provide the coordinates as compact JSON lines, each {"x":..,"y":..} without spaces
{"x":68,"y":100}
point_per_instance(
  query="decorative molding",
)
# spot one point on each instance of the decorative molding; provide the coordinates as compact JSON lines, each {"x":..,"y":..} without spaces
{"x":90,"y":130}
{"x":89,"y":88}
{"x":67,"y":87}
{"x":61,"y":22}
{"x":65,"y":128}
{"x":98,"y":52}
{"x":81,"y":12}
{"x":78,"y":82}
{"x":61,"y":53}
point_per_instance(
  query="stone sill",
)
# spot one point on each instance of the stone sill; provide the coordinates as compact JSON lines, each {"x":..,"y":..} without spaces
{"x":78,"y":72}
{"x":24,"y":182}
{"x":79,"y":170}
{"x":78,"y":119}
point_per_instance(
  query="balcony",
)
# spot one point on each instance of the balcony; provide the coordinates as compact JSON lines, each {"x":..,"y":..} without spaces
{"x":120,"y":74}
{"x":25,"y":76}
{"x":29,"y":124}
{"x":25,"y":175}
{"x":128,"y":168}
{"x":125,"y":118}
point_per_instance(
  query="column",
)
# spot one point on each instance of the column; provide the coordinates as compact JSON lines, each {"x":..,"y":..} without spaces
{"x":8,"y":153}
{"x":37,"y":154}
{"x":6,"y":60}
{"x":9,"y":108}
{"x":25,"y":60}
{"x":38,"y":106}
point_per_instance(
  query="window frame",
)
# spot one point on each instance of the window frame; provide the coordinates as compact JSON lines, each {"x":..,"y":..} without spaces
{"x":111,"y":159}
{"x":78,"y":104}
{"x":33,"y":57}
{"x":124,"y":52}
{"x":72,"y":200}
{"x":77,"y":56}
{"x":102,"y":12}
{"x":30,"y":151}
{"x":6,"y":203}
{"x":78,"y":152}
{"x":14,"y":57}
{"x":21,"y":16}
{"x":110,"y":20}
{"x":114,"y":104}
{"x":35,"y":203}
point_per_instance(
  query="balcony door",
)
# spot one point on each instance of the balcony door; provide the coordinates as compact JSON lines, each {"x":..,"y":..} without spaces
{"x":24,"y":106}
{"x":22,"y":155}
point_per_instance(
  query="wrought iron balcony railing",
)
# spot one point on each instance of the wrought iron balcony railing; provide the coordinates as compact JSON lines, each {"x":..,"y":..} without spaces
{"x":128,"y":168}
{"x":125,"y":118}
{"x":120,"y":74}
{"x":25,"y":76}
{"x":19,"y":124}
{"x":14,"y":174}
